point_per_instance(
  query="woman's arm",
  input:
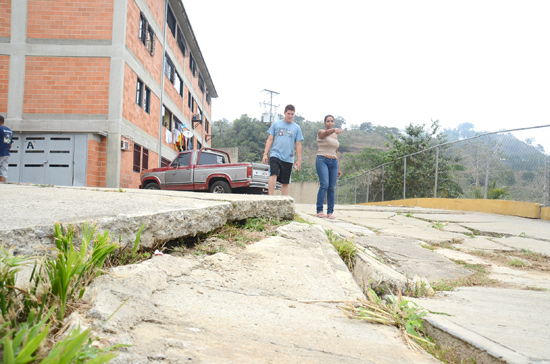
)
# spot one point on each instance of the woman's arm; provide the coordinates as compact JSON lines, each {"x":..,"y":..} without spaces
{"x":323,"y":133}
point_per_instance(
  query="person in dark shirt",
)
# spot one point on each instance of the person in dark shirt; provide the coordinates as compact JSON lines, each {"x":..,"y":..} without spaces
{"x":6,"y":138}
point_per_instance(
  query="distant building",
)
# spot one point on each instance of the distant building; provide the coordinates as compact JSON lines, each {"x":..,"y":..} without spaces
{"x":80,"y":86}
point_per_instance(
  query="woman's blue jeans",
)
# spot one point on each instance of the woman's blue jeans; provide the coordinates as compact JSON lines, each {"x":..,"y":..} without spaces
{"x":327,"y":170}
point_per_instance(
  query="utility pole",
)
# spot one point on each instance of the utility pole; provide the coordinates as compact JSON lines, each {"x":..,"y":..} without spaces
{"x":271,"y":118}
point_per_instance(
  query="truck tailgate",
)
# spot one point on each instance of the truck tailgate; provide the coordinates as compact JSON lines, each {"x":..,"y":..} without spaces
{"x":260,"y":172}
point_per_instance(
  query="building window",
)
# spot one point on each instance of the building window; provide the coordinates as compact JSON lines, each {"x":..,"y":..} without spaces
{"x":146,"y":34}
{"x":208,"y":100}
{"x":201,"y":83}
{"x":178,"y":84}
{"x":206,"y":126}
{"x":141,"y":158}
{"x":190,"y":101}
{"x":181,"y":42}
{"x":143,"y":96}
{"x":171,"y":20}
{"x":139,"y":93}
{"x":169,"y":69}
{"x":192,"y":65}
{"x":166,"y":118}
{"x":164,"y":162}
{"x":147,"y":100}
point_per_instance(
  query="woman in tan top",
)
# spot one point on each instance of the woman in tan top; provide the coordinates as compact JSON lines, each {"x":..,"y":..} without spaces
{"x":327,"y":166}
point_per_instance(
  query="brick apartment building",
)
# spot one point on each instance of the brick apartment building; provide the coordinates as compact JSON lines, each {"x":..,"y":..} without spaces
{"x":82,"y":83}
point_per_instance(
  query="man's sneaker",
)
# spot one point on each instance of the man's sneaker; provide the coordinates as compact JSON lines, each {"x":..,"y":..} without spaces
{"x":321,"y":214}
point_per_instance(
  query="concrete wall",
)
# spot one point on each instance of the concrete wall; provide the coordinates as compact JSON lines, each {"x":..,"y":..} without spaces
{"x":304,"y":192}
{"x":503,"y":207}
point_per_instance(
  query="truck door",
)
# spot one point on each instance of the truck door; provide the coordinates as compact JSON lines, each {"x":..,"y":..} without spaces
{"x":180,"y":175}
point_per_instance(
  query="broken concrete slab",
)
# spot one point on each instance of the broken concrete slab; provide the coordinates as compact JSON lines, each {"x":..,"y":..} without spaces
{"x":481,"y":243}
{"x":271,"y":302}
{"x":166,"y":215}
{"x":409,"y":258}
{"x":519,"y":243}
{"x":510,"y":326}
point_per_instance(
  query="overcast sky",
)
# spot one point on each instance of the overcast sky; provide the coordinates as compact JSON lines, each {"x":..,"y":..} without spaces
{"x":385,"y":62}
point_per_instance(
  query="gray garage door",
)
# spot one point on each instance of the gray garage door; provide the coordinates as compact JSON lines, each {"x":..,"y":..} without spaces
{"x":51,"y":159}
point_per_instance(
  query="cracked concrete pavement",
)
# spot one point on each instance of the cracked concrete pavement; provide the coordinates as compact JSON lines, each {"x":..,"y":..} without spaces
{"x":256,"y":306}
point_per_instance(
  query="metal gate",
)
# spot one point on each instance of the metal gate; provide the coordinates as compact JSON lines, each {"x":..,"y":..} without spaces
{"x":47,"y":159}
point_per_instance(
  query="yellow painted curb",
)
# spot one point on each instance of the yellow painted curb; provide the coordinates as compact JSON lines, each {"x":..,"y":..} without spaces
{"x":503,"y":207}
{"x":545,"y":213}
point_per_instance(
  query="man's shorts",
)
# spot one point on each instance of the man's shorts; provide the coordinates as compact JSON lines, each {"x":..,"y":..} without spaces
{"x":4,"y":165}
{"x":281,"y":169}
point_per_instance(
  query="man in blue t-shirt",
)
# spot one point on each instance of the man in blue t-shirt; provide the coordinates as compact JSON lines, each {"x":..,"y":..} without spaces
{"x":284,"y":136}
{"x":6,"y":138}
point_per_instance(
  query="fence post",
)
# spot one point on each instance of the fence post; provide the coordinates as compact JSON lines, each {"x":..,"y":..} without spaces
{"x":355,"y":193}
{"x":548,"y":180}
{"x":436,"y":170}
{"x":368,"y":185}
{"x":346,"y":192}
{"x":487,"y":170}
{"x":404,"y":177}
{"x":383,"y":183}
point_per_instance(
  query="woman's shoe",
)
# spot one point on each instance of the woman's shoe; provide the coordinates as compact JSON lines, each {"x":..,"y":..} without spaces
{"x":330,"y":216}
{"x":321,"y":214}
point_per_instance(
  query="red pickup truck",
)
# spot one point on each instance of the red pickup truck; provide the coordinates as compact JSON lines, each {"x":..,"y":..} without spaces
{"x":207,"y":169}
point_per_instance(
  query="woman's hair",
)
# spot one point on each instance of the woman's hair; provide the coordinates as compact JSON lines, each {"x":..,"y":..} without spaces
{"x":328,"y":116}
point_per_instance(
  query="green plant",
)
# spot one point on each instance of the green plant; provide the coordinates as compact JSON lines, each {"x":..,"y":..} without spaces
{"x":76,"y":348}
{"x":345,"y":248}
{"x":298,"y":218}
{"x":71,"y":270}
{"x":404,"y":314}
{"x":21,"y":344}
{"x":28,"y":314}
{"x":9,"y":267}
{"x":409,"y":214}
{"x":522,"y":235}
{"x":439,"y":225}
{"x":515,"y":262}
{"x":124,"y":255}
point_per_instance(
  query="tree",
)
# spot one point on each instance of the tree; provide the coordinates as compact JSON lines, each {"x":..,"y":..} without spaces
{"x":420,"y":168}
{"x":367,"y":159}
{"x":248,"y":134}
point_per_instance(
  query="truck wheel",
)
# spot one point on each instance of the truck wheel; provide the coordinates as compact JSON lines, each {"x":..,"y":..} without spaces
{"x":220,"y":187}
{"x":152,"y":186}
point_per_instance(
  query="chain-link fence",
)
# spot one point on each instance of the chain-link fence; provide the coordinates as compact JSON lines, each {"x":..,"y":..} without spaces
{"x":502,"y":165}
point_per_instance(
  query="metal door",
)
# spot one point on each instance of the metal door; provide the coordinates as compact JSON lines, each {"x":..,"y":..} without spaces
{"x":43,"y":159}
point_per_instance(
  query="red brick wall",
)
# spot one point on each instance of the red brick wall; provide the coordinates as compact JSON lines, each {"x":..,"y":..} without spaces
{"x":97,"y":163}
{"x":4,"y":80}
{"x":129,"y":178}
{"x":75,"y":19}
{"x":157,"y":9}
{"x":5,"y":18}
{"x":133,"y":112}
{"x":153,"y":63}
{"x":62,"y":85}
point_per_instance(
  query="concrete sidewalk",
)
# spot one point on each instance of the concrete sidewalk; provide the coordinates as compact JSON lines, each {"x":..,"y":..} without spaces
{"x":492,"y":325}
{"x":251,"y":305}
